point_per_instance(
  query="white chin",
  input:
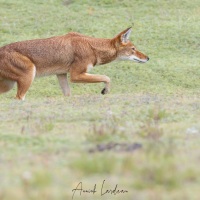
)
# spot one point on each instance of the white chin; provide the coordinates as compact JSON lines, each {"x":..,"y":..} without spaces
{"x":136,"y":59}
{"x":140,"y":61}
{"x":133,"y":58}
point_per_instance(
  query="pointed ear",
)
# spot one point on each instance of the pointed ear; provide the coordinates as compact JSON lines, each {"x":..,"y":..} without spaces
{"x":123,"y":37}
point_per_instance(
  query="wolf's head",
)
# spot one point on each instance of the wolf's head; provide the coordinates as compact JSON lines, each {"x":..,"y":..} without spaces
{"x":127,"y":50}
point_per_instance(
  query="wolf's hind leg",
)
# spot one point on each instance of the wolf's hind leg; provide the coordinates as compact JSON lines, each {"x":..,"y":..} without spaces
{"x":25,"y":81}
{"x":6,"y":85}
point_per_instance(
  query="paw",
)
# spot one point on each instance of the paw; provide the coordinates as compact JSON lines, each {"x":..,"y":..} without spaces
{"x":104,"y":91}
{"x":20,"y":98}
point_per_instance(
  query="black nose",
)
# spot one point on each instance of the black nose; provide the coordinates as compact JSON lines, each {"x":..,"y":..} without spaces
{"x":147,"y":58}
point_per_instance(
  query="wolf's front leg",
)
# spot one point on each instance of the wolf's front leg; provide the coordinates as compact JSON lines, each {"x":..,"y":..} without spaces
{"x":91,"y":78}
{"x":62,"y":79}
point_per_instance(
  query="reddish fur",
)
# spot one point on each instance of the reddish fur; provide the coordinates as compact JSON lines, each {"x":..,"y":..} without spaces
{"x":58,"y":55}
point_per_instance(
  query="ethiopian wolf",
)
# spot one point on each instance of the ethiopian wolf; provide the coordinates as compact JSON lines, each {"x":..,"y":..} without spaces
{"x":72,"y":53}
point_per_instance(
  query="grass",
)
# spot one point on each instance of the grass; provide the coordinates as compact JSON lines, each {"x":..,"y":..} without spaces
{"x":143,"y":136}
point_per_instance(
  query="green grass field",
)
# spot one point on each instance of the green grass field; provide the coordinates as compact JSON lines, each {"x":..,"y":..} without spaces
{"x":143,"y":136}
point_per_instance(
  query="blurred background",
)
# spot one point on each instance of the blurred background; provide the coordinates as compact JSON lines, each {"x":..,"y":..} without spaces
{"x":143,"y":136}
